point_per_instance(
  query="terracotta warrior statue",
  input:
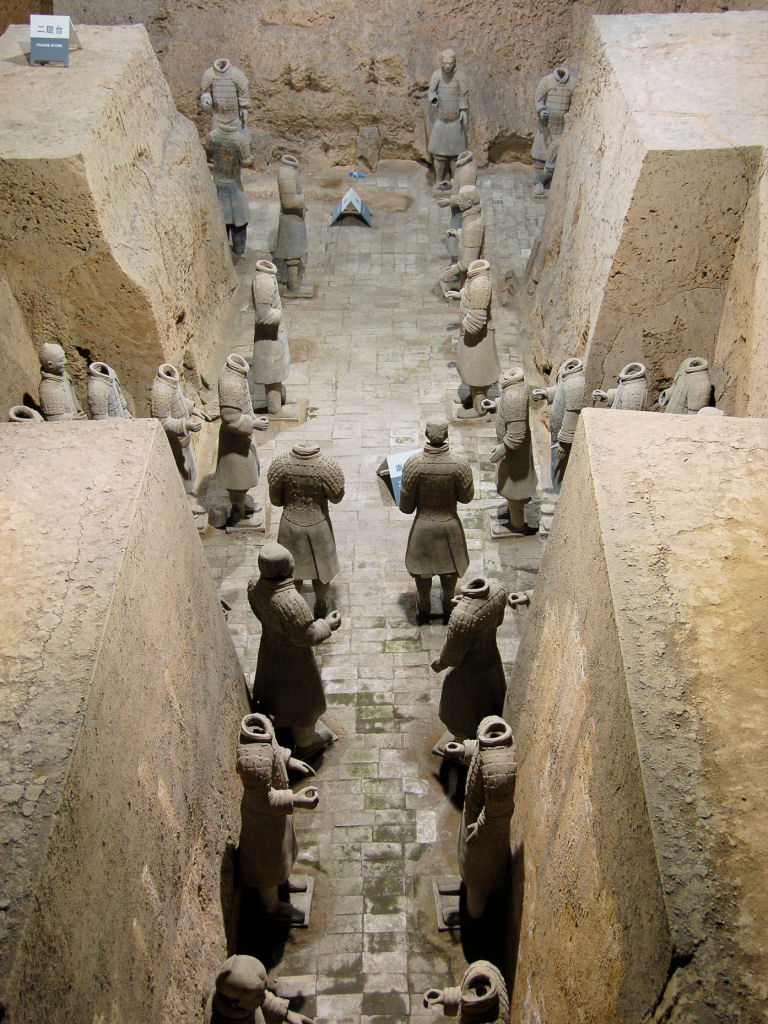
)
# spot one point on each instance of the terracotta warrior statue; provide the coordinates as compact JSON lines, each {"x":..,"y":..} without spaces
{"x":433,"y":482}
{"x":241,"y":996}
{"x":105,"y":396}
{"x":477,"y":361}
{"x":57,"y":393}
{"x":267,"y":839}
{"x":691,"y":390}
{"x":24,"y":414}
{"x":474,"y":686}
{"x":180,"y":418}
{"x":224,"y":91}
{"x":448,"y":115}
{"x":303,"y":481}
{"x":516,"y":479}
{"x":471,"y":234}
{"x":291,"y":241}
{"x":552,"y":102}
{"x":271,"y":356}
{"x":567,"y":396}
{"x":631,"y":392}
{"x":489,"y":800}
{"x":287,"y":684}
{"x":229,"y":149}
{"x":237,"y":464}
{"x":482,"y":998}
{"x":464,"y":174}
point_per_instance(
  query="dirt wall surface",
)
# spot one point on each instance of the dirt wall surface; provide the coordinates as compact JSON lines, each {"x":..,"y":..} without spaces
{"x":656,"y":201}
{"x":118,"y":732}
{"x":111,"y":235}
{"x":320,"y":72}
{"x":20,"y":372}
{"x":639,"y":708}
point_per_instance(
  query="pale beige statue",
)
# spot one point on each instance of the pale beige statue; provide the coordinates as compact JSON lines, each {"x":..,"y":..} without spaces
{"x":241,"y":996}
{"x":57,"y":393}
{"x":552,"y":102}
{"x":464,"y":174}
{"x":448,"y":116}
{"x":481,"y":999}
{"x":477,"y":361}
{"x":691,"y":390}
{"x":105,"y":395}
{"x":224,"y":91}
{"x":516,"y":479}
{"x":631,"y":389}
{"x":470,"y":236}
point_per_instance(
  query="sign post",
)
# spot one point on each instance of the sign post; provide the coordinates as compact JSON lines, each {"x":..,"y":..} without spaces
{"x":50,"y":37}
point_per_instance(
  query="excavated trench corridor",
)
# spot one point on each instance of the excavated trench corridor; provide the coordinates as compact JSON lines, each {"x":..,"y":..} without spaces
{"x":372,"y":359}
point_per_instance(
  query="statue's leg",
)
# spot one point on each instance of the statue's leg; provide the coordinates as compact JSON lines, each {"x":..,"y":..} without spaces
{"x":239,"y":511}
{"x":321,"y":598}
{"x":294,"y":274}
{"x":558,"y":464}
{"x":275,"y":908}
{"x":238,"y":239}
{"x":476,"y":901}
{"x":423,"y":597}
{"x":274,"y":397}
{"x":448,"y":583}
{"x":516,"y":514}
{"x":303,"y":736}
{"x":440,"y":163}
{"x":538,"y":178}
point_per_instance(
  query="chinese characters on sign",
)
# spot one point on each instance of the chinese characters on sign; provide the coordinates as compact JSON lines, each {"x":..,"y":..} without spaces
{"x":50,"y":36}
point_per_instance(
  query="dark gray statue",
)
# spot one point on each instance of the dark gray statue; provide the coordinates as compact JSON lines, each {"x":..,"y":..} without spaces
{"x":57,"y":394}
{"x":433,"y":482}
{"x":567,"y":396}
{"x":180,"y":418}
{"x":291,"y":241}
{"x":448,"y":115}
{"x":271,"y":355}
{"x":552,"y":102}
{"x":302,"y":482}
{"x":237,"y":465}
{"x":477,"y":361}
{"x":105,"y":396}
{"x":224,"y":91}
{"x":229,"y":149}
{"x":287,"y":684}
{"x":516,"y":479}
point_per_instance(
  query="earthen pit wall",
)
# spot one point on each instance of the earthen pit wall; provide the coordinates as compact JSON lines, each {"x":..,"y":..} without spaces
{"x":18,"y":359}
{"x":589,"y":939}
{"x":112,"y":237}
{"x":651,"y":598}
{"x":148,"y":816}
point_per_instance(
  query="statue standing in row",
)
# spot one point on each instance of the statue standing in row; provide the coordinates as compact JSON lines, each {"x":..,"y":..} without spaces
{"x":474,"y":686}
{"x":567,"y":396}
{"x":552,"y":102}
{"x":57,"y":393}
{"x":631,"y":390}
{"x":241,"y":996}
{"x":448,"y":116}
{"x":229,"y":149}
{"x":477,"y":360}
{"x":516,"y":479}
{"x":224,"y":91}
{"x":287,"y":684}
{"x":691,"y":390}
{"x":470,"y":236}
{"x":464,"y":174}
{"x":481,"y":999}
{"x":271,"y":355}
{"x":180,"y":419}
{"x":268,"y":847}
{"x":302,"y":482}
{"x":432,"y":483}
{"x":237,"y":464}
{"x":291,"y":241}
{"x":105,"y":396}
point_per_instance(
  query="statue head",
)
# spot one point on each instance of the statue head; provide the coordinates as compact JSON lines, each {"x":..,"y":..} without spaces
{"x":275,"y":562}
{"x":448,"y":61}
{"x":479,"y":268}
{"x":52,"y":358}
{"x":241,"y":984}
{"x":468,"y":197}
{"x":436,"y":430}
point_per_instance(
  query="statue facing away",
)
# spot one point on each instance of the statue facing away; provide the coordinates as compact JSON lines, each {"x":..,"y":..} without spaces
{"x":474,"y":686}
{"x":448,"y":115}
{"x":516,"y":479}
{"x":291,"y":241}
{"x":241,"y":996}
{"x":180,"y":419}
{"x":105,"y":396}
{"x":470,"y":236}
{"x":287,"y":684}
{"x":268,"y":847}
{"x":433,"y":482}
{"x":567,"y":396}
{"x":465,"y":173}
{"x":303,"y":481}
{"x":57,"y":393}
{"x":271,"y":355}
{"x":476,"y":361}
{"x":691,"y":390}
{"x":631,"y":390}
{"x":229,"y":149}
{"x":482,"y":998}
{"x":489,"y":801}
{"x":224,"y":91}
{"x":552,"y":102}
{"x":237,"y":463}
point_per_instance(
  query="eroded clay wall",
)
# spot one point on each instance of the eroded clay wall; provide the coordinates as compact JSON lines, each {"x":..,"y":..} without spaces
{"x":638,"y":701}
{"x":320,"y":72}
{"x":642,"y":271}
{"x":20,"y":372}
{"x":111,"y":235}
{"x":126,"y":720}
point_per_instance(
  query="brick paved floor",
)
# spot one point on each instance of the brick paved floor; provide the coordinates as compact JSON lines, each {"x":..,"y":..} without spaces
{"x":371,"y":357}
